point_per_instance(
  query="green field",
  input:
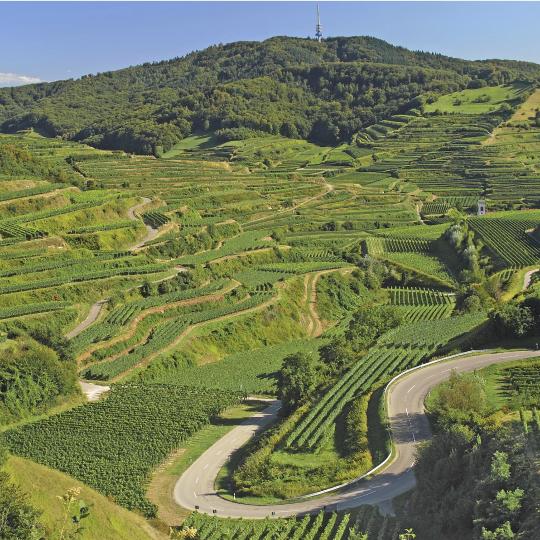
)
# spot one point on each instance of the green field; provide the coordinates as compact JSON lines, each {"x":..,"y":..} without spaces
{"x":477,"y":101}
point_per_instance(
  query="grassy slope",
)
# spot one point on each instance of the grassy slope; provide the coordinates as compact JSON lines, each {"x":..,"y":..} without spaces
{"x":107,"y":521}
{"x":274,"y":325}
{"x":465,"y":101}
{"x":521,"y":144}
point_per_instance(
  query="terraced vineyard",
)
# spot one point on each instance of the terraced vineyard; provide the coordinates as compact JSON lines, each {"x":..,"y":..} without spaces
{"x":509,"y":238}
{"x":422,"y":304}
{"x":186,"y":280}
{"x":419,"y":297}
{"x":164,"y":335}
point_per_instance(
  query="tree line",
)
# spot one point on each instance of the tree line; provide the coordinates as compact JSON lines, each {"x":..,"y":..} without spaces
{"x":299,"y":88}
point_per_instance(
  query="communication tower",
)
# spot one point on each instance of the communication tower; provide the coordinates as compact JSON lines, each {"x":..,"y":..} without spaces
{"x":318,"y":27}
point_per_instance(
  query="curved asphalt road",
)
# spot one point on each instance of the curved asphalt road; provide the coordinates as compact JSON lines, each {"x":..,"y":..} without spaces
{"x":409,"y":425}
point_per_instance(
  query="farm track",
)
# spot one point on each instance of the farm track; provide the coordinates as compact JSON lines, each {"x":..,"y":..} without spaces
{"x":132,"y":327}
{"x":96,"y":308}
{"x":90,"y":389}
{"x":151,"y":232}
{"x":329,"y":188}
{"x":527,"y":279}
{"x":409,"y":426}
{"x":418,"y":208}
{"x":92,"y":316}
{"x":317,"y":323}
{"x":306,"y":300}
{"x":315,"y":326}
{"x":93,"y":391}
{"x":188,"y":331}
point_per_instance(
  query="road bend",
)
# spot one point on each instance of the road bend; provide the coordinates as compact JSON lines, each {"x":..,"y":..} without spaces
{"x":409,"y":426}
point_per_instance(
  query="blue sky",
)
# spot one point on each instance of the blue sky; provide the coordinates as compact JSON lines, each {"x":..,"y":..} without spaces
{"x":59,"y":40}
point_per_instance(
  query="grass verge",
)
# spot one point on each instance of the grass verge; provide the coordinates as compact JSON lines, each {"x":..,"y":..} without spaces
{"x":107,"y":521}
{"x":160,"y":490}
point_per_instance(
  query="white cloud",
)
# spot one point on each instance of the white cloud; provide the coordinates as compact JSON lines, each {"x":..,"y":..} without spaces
{"x":13,"y":79}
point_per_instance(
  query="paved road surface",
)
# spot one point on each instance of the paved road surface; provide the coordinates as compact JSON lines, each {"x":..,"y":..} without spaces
{"x":93,"y":391}
{"x":409,"y":425}
{"x":93,"y":314}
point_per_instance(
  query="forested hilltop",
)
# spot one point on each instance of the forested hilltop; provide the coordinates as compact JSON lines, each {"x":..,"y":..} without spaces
{"x":323,"y":92}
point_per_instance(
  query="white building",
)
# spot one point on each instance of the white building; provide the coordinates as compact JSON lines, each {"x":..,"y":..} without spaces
{"x":481,"y":207}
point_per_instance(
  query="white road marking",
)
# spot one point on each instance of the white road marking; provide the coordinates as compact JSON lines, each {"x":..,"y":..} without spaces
{"x":366,"y":493}
{"x":205,"y":467}
{"x":369,"y":492}
{"x":197,"y":480}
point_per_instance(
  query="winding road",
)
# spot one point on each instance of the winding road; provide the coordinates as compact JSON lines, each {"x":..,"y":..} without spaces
{"x":409,"y":425}
{"x":90,"y":390}
{"x":151,"y":232}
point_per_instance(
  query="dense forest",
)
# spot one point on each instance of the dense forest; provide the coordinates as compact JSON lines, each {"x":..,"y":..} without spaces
{"x":477,"y":477}
{"x":300,"y":88}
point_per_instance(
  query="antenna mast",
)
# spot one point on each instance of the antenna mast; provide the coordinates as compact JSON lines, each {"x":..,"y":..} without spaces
{"x":318,"y":27}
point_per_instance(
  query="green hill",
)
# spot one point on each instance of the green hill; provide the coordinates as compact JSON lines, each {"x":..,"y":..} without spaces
{"x":300,"y":88}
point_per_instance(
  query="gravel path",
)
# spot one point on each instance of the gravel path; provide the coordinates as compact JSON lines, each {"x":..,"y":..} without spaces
{"x":93,"y":391}
{"x":151,"y":233}
{"x":96,"y":308}
{"x":527,"y":280}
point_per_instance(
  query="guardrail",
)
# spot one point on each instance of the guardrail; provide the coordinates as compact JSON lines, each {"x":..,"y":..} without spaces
{"x":390,"y":456}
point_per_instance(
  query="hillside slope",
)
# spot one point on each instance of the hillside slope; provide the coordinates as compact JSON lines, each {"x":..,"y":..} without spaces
{"x":324,"y":92}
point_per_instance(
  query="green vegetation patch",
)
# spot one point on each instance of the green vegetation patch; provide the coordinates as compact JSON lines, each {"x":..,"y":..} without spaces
{"x":252,"y":371}
{"x":114,"y":444}
{"x":476,"y":100}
